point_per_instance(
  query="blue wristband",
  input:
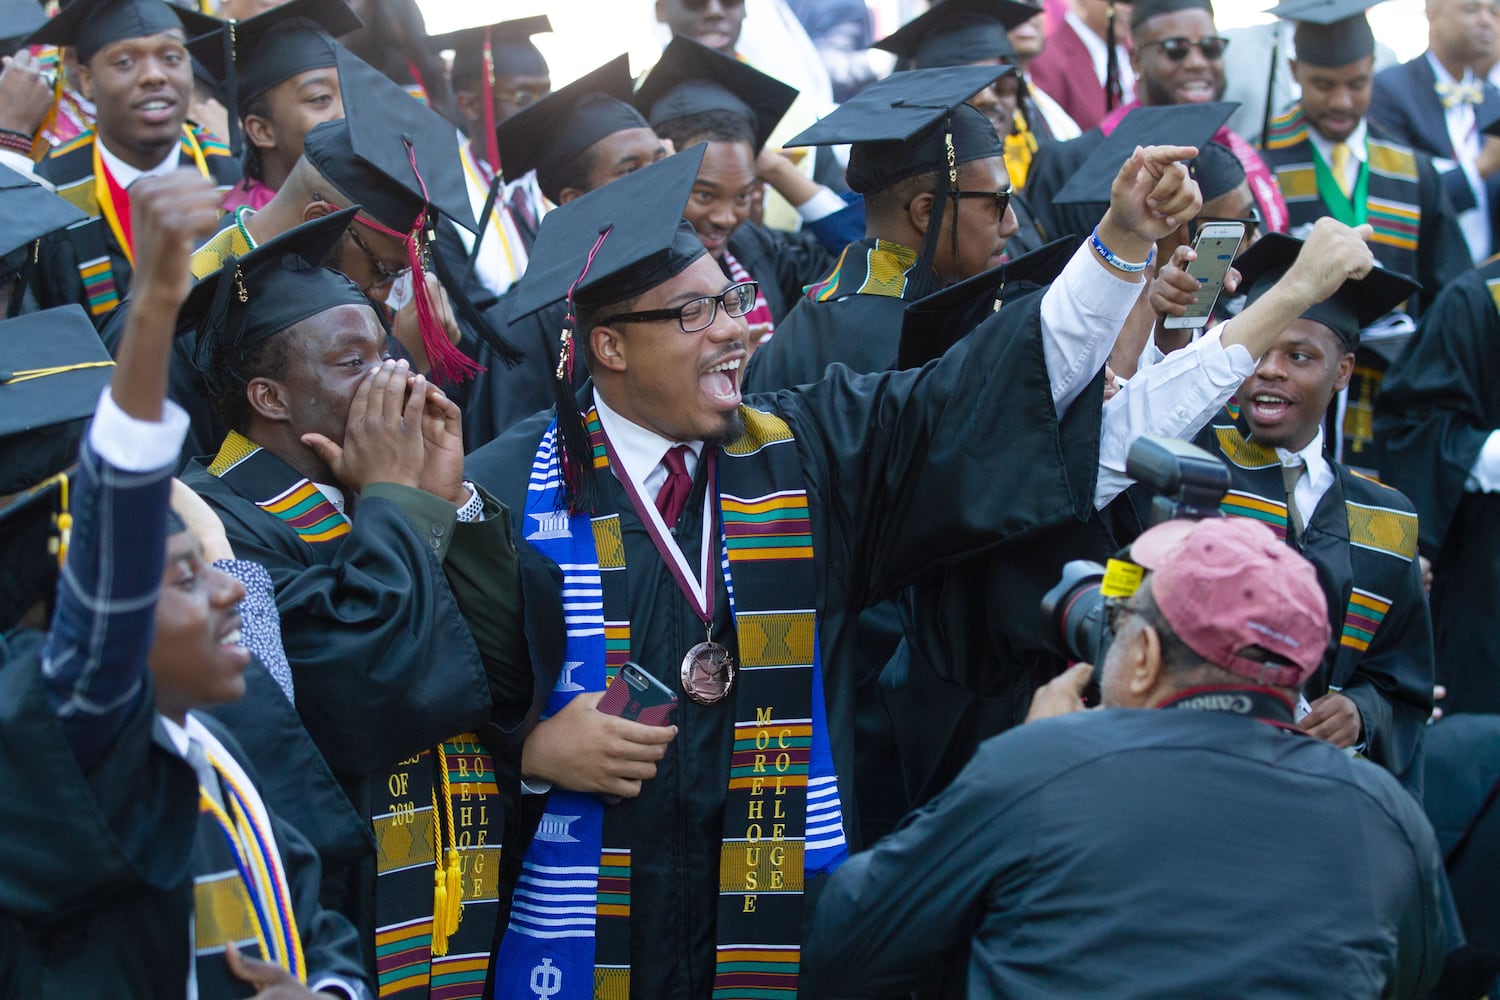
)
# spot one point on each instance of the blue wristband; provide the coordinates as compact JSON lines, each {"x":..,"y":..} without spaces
{"x":1109,"y":257}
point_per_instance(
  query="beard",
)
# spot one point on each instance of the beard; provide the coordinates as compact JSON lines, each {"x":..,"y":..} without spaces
{"x":731,"y":429}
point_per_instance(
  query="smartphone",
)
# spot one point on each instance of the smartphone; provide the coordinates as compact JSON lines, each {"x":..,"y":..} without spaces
{"x":636,"y":695}
{"x":1217,"y":245}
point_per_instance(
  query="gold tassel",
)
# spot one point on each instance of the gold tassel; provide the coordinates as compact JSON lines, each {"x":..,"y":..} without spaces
{"x":439,"y":890}
{"x":447,"y":876}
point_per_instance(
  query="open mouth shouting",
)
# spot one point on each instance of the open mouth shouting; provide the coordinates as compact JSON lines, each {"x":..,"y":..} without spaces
{"x":721,"y":382}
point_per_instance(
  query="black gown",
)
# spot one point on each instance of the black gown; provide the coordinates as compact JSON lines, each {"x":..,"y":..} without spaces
{"x":96,"y":881}
{"x":388,"y":659}
{"x":1438,"y":405}
{"x":898,"y":469}
{"x":1051,"y":168}
{"x":783,"y":263}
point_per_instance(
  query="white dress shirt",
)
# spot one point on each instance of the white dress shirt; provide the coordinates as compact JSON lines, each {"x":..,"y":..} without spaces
{"x":1319,"y":477}
{"x":126,"y":175}
{"x":1484,"y":477}
{"x":1356,"y":144}
{"x":1175,"y":397}
{"x":1463,"y":132}
{"x":1099,"y":56}
{"x":641,"y":450}
{"x":132,"y":445}
{"x":1059,"y":121}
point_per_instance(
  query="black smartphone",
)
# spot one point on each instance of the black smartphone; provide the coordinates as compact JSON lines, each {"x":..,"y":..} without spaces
{"x":636,"y":695}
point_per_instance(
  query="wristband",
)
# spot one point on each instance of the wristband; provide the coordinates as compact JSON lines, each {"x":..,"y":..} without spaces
{"x":20,"y":142}
{"x":1109,"y":257}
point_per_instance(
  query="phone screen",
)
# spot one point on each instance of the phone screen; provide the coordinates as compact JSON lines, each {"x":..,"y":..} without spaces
{"x":1217,"y":245}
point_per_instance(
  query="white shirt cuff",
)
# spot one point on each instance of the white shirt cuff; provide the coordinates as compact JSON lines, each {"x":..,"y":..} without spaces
{"x":1082,"y":314}
{"x":821,"y":205}
{"x":1485,"y":476}
{"x":132,"y":445}
{"x":330,"y":984}
{"x":536,"y":787}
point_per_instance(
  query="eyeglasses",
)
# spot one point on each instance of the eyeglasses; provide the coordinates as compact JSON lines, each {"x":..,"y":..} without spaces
{"x":385,"y":274}
{"x":1115,"y":612}
{"x":698,"y":314}
{"x":1000,"y":198}
{"x":1177,"y":49}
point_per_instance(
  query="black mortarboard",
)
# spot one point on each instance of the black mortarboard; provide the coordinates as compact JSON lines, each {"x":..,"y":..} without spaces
{"x":18,"y":20}
{"x":933,"y":324}
{"x":511,"y":50}
{"x":958,"y":33}
{"x":690,"y":78}
{"x":1330,"y":33}
{"x":898,"y":126}
{"x":1144,"y":10}
{"x":52,"y":368}
{"x":563,"y":124}
{"x":276,"y":45}
{"x":1356,"y":304}
{"x":29,"y":211}
{"x":1217,"y":170}
{"x":612,"y":244}
{"x":89,"y":25}
{"x":252,"y":298}
{"x":1177,"y":124}
{"x":33,"y":533}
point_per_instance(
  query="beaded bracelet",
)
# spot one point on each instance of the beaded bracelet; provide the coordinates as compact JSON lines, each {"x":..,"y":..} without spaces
{"x":11,"y":139}
{"x":1114,"y":261}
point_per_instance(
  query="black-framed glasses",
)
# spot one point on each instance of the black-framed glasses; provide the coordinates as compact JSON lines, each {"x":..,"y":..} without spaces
{"x":1116,"y":610}
{"x":698,"y":314}
{"x":1000,"y":198}
{"x":1177,"y":47}
{"x":384,"y":273}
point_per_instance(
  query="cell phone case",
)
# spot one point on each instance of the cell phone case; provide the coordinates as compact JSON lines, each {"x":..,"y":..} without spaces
{"x":624,"y":701}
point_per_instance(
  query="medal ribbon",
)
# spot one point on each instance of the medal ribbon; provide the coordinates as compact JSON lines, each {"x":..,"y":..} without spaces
{"x":700,"y":591}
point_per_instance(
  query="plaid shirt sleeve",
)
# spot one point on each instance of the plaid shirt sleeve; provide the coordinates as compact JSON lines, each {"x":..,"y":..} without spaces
{"x":94,"y":660}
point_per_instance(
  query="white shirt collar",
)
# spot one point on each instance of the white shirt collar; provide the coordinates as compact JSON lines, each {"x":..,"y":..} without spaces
{"x":1356,"y":142}
{"x":334,"y":494}
{"x":1319,"y":476}
{"x":640,"y":449}
{"x":1441,"y":71}
{"x":126,"y":175}
{"x":1099,"y":55}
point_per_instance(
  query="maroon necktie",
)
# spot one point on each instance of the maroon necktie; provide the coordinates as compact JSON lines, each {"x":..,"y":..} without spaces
{"x":672,"y":496}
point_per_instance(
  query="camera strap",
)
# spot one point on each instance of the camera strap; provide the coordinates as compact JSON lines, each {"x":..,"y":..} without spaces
{"x":1260,"y":703}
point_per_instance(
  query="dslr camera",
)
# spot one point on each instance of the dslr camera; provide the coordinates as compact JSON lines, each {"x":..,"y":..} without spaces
{"x":1189,"y":483}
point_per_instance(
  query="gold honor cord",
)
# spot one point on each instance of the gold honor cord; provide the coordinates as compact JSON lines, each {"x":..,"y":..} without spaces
{"x":27,"y":374}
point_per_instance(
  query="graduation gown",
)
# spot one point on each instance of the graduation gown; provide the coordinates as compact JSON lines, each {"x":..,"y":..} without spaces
{"x":85,"y":264}
{"x":898,"y":469}
{"x":385,"y":664}
{"x":852,"y":316}
{"x":501,"y":397}
{"x":1053,"y":164}
{"x":1362,"y":538}
{"x":97,"y":876}
{"x":1439,"y":404}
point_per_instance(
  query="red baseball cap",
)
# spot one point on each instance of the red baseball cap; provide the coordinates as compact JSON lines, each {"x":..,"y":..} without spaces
{"x":1224,"y":584}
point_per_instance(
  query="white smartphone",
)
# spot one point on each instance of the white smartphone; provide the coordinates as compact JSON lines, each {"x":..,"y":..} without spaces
{"x":1217,"y":245}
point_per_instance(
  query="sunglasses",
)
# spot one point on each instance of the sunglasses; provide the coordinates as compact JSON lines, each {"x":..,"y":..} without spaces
{"x":1177,"y":49}
{"x":1000,"y":198}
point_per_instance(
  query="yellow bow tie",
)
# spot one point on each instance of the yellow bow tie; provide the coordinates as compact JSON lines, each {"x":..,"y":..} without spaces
{"x":1454,"y":94}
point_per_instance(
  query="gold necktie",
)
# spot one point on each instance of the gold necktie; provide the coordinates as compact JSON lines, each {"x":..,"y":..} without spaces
{"x":1290,"y":475}
{"x":1341,"y":167}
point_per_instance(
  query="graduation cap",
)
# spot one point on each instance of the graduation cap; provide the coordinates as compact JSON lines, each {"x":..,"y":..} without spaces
{"x":28,"y":211}
{"x":958,"y":33}
{"x":563,"y":124}
{"x":90,"y":25}
{"x":505,"y":46}
{"x":612,"y":244}
{"x":252,"y":56}
{"x":1358,"y":302}
{"x":1181,"y":124}
{"x":52,"y":368}
{"x":34,"y":532}
{"x":690,"y":79}
{"x":1330,"y":33}
{"x":20,"y":18}
{"x":399,"y":160}
{"x":933,"y":324}
{"x":251,"y":299}
{"x":491,"y":50}
{"x":1144,"y":10}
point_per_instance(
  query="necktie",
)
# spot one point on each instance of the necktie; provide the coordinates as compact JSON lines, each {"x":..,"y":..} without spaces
{"x":1291,"y":475}
{"x":520,"y":207}
{"x":1341,"y":166}
{"x":1454,"y":94}
{"x":672,"y":496}
{"x":208,"y":778}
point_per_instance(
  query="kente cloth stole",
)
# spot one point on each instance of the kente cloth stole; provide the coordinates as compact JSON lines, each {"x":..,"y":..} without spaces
{"x":569,"y":935}
{"x":114,"y":203}
{"x":248,"y":901}
{"x":436,"y":816}
{"x":760,"y":312}
{"x":866,"y":268}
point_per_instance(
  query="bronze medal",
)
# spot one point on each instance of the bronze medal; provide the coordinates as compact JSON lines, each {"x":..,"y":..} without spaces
{"x":707,"y":673}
